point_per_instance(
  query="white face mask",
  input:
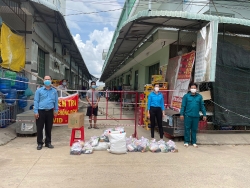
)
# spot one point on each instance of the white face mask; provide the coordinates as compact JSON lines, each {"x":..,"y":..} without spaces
{"x":157,"y":89}
{"x":193,"y":90}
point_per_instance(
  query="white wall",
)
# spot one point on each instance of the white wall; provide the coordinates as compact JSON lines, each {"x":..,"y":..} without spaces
{"x":240,"y":9}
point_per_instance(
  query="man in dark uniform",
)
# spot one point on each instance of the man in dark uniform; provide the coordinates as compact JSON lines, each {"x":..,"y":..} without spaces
{"x":192,"y":104}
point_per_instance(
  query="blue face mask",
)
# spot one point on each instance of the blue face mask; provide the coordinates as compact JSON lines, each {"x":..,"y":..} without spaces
{"x":47,"y":82}
{"x":64,"y":83}
{"x":93,"y":86}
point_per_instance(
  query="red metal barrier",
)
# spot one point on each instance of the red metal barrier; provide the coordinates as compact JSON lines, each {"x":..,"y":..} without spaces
{"x":120,"y":98}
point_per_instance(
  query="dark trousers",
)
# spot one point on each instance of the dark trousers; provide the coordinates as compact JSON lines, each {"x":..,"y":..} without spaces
{"x":156,"y":112}
{"x":45,"y":118}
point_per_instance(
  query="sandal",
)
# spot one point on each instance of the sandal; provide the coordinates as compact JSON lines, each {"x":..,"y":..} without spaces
{"x":96,"y":127}
{"x":90,"y":127}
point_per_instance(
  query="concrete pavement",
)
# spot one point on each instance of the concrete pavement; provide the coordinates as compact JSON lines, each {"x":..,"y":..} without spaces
{"x":21,"y":165}
{"x":7,"y":134}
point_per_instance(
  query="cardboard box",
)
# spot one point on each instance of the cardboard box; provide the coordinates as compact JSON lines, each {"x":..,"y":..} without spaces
{"x":206,"y":95}
{"x":163,"y":71}
{"x":163,"y":85}
{"x":157,"y":78}
{"x":76,"y":120}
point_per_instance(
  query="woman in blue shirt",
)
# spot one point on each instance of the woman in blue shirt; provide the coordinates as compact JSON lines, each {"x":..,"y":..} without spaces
{"x":156,"y":110}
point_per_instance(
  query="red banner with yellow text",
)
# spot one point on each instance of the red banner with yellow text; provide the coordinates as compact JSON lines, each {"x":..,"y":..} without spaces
{"x":67,"y":105}
{"x":183,"y":79}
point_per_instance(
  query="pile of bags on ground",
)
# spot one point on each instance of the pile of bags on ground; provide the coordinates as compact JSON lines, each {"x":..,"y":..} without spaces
{"x":143,"y":145}
{"x":114,"y":141}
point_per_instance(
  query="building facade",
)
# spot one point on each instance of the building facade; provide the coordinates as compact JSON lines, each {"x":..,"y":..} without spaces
{"x":150,"y":34}
{"x":50,"y":47}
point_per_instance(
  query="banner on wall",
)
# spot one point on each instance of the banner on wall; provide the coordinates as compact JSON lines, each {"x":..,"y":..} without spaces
{"x":206,"y":52}
{"x":67,"y":105}
{"x":183,"y":79}
{"x":13,"y":49}
{"x":171,"y":75}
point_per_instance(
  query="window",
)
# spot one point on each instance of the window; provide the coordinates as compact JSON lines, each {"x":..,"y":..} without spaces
{"x":72,"y":79}
{"x":136,"y":80}
{"x":76,"y":81}
{"x":41,"y":65}
{"x":153,"y":70}
{"x":121,"y":81}
{"x":128,"y":79}
{"x":67,"y":74}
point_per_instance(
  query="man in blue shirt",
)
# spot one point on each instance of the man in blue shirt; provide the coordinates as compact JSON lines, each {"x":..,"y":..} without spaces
{"x":192,"y":104}
{"x":45,"y":108}
{"x":156,"y":110}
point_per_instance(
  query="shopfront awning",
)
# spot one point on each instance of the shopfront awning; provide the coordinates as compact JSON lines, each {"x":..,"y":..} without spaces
{"x":56,"y":22}
{"x":136,"y":29}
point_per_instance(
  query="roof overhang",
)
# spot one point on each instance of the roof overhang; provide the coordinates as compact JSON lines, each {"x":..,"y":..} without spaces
{"x":93,"y":78}
{"x":56,"y":22}
{"x":160,"y":39}
{"x":138,"y":28}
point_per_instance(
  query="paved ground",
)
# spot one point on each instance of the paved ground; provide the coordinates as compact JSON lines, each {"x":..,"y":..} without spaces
{"x":21,"y":165}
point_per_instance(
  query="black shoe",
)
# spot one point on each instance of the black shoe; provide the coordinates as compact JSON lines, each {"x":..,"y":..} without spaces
{"x":39,"y":147}
{"x":49,"y":146}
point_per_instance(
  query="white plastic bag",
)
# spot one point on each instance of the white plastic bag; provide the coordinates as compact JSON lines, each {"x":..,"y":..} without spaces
{"x":87,"y":149}
{"x":143,"y":147}
{"x":131,"y":147}
{"x":117,"y":142}
{"x":129,"y":140}
{"x":121,"y":129}
{"x":94,"y":141}
{"x":164,"y":148}
{"x":107,"y":131}
{"x":154,"y":147}
{"x":76,"y":148}
{"x":171,"y":146}
{"x":104,"y":138}
{"x":102,"y":146}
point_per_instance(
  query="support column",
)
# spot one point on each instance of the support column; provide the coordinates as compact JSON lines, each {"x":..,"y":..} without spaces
{"x":82,"y":79}
{"x":78,"y":77}
{"x":70,"y":75}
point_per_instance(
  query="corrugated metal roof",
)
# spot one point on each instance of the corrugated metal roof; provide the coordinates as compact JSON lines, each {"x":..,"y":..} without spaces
{"x":56,"y":22}
{"x":174,"y":19}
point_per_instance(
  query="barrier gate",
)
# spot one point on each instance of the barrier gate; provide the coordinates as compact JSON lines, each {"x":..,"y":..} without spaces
{"x":117,"y":106}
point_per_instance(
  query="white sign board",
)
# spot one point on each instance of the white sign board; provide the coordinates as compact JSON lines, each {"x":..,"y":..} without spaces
{"x":206,"y":51}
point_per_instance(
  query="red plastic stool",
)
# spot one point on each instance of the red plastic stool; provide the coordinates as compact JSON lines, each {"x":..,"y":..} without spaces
{"x":73,"y":135}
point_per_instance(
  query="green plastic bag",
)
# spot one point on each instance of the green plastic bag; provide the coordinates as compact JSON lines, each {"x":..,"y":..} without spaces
{"x":28,"y":92}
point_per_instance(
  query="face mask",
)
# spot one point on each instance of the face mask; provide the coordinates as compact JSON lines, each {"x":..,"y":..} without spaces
{"x":64,"y":83}
{"x":193,"y":90}
{"x":93,"y":86}
{"x":157,"y":89}
{"x":47,"y":82}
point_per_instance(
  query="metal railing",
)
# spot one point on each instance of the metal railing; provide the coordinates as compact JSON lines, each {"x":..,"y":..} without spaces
{"x":15,"y":7}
